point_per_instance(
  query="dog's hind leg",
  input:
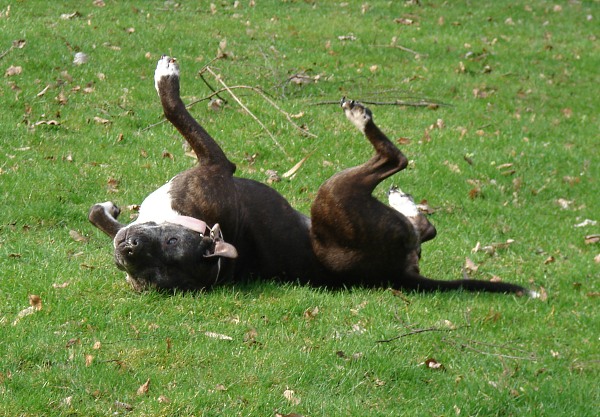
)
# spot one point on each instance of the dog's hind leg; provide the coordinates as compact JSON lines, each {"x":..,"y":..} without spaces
{"x":354,"y":235}
{"x":166,"y":82}
{"x":104,"y":217}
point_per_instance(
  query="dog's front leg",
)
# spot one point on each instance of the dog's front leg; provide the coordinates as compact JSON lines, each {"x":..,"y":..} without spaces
{"x":104,"y":217}
{"x":166,"y":82}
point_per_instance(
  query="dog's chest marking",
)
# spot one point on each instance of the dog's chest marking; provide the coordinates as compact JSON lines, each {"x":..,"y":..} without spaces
{"x":157,"y":206}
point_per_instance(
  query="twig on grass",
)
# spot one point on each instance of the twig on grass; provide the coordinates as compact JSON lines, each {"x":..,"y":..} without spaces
{"x":257,"y":90}
{"x":419,"y":103}
{"x":402,"y":48}
{"x":246,"y":109}
{"x":467,"y":345}
{"x":415,"y":331}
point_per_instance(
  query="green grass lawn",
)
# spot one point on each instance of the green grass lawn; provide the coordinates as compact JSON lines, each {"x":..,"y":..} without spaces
{"x":509,"y":153}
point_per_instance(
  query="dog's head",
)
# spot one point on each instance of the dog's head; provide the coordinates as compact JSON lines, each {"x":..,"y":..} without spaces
{"x":171,"y":256}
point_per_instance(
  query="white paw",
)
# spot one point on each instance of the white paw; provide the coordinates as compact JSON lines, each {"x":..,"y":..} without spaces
{"x":165,"y":67}
{"x":358,"y":114}
{"x":110,"y":209}
{"x":402,"y":202}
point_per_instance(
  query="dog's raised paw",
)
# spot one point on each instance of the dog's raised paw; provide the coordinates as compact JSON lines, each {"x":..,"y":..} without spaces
{"x":110,"y":209}
{"x":166,"y":67}
{"x":358,"y":114}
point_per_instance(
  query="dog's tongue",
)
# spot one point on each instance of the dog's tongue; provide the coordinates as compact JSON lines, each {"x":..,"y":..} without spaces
{"x":190,"y":222}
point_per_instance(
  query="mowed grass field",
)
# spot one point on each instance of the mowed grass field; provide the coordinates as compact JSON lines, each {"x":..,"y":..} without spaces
{"x":496,"y":105}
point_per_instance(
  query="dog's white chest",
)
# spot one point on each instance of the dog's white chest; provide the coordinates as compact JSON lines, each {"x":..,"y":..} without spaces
{"x":157,"y":206}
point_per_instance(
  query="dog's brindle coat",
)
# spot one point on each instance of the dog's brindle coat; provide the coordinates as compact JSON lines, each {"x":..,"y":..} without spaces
{"x":207,"y":226}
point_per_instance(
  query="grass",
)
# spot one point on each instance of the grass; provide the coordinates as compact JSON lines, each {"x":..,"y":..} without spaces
{"x":519,"y":81}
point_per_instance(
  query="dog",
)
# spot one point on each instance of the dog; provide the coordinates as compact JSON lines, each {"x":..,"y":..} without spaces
{"x":207,"y":226}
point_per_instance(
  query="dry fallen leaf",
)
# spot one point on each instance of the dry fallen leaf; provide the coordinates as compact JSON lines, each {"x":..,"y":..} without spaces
{"x":563,"y":203}
{"x":217,"y":336}
{"x":100,"y":120}
{"x":125,"y":406}
{"x":88,"y":360}
{"x":80,"y":58}
{"x":143,"y":389}
{"x":291,"y":396}
{"x":589,"y":239}
{"x":470,"y":266}
{"x":311,"y":313}
{"x":35,"y":304}
{"x":431,"y":363}
{"x":77,"y":237}
{"x":295,"y":168}
{"x":13,"y":70}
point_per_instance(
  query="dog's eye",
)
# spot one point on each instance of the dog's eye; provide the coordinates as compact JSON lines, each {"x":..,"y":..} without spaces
{"x":172,"y":241}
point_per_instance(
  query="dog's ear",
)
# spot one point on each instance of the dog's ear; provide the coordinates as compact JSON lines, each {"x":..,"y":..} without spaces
{"x":223,"y":249}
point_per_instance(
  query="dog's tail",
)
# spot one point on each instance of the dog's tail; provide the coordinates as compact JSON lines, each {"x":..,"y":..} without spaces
{"x":417,"y":282}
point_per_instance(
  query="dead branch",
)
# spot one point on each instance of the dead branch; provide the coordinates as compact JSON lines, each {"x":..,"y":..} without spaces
{"x":257,"y":90}
{"x":415,"y":331}
{"x":402,"y":48}
{"x":466,"y":345}
{"x":246,"y":108}
{"x":419,"y":103}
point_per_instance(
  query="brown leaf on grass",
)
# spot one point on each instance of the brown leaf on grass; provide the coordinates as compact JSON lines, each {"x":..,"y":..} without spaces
{"x":431,"y":363}
{"x":124,"y":406}
{"x":403,"y":141}
{"x":35,"y":301}
{"x":89,"y":359}
{"x":549,"y":260}
{"x":453,"y":167}
{"x":404,"y":21}
{"x":100,"y":120}
{"x":593,"y":294}
{"x":69,"y":16}
{"x":290,"y":395}
{"x":61,"y":98}
{"x":163,"y":400}
{"x":143,"y":389}
{"x":218,"y":336}
{"x":564,"y":203}
{"x":72,"y":342}
{"x":112,"y":185}
{"x":250,"y":336}
{"x":77,"y":237}
{"x":46,"y":122}
{"x":597,"y":258}
{"x":35,"y":304}
{"x":13,"y":70}
{"x":470,"y":266}
{"x":293,"y":170}
{"x":311,"y":313}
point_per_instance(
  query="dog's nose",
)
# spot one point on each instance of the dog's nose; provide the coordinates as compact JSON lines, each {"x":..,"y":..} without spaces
{"x":131,"y":246}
